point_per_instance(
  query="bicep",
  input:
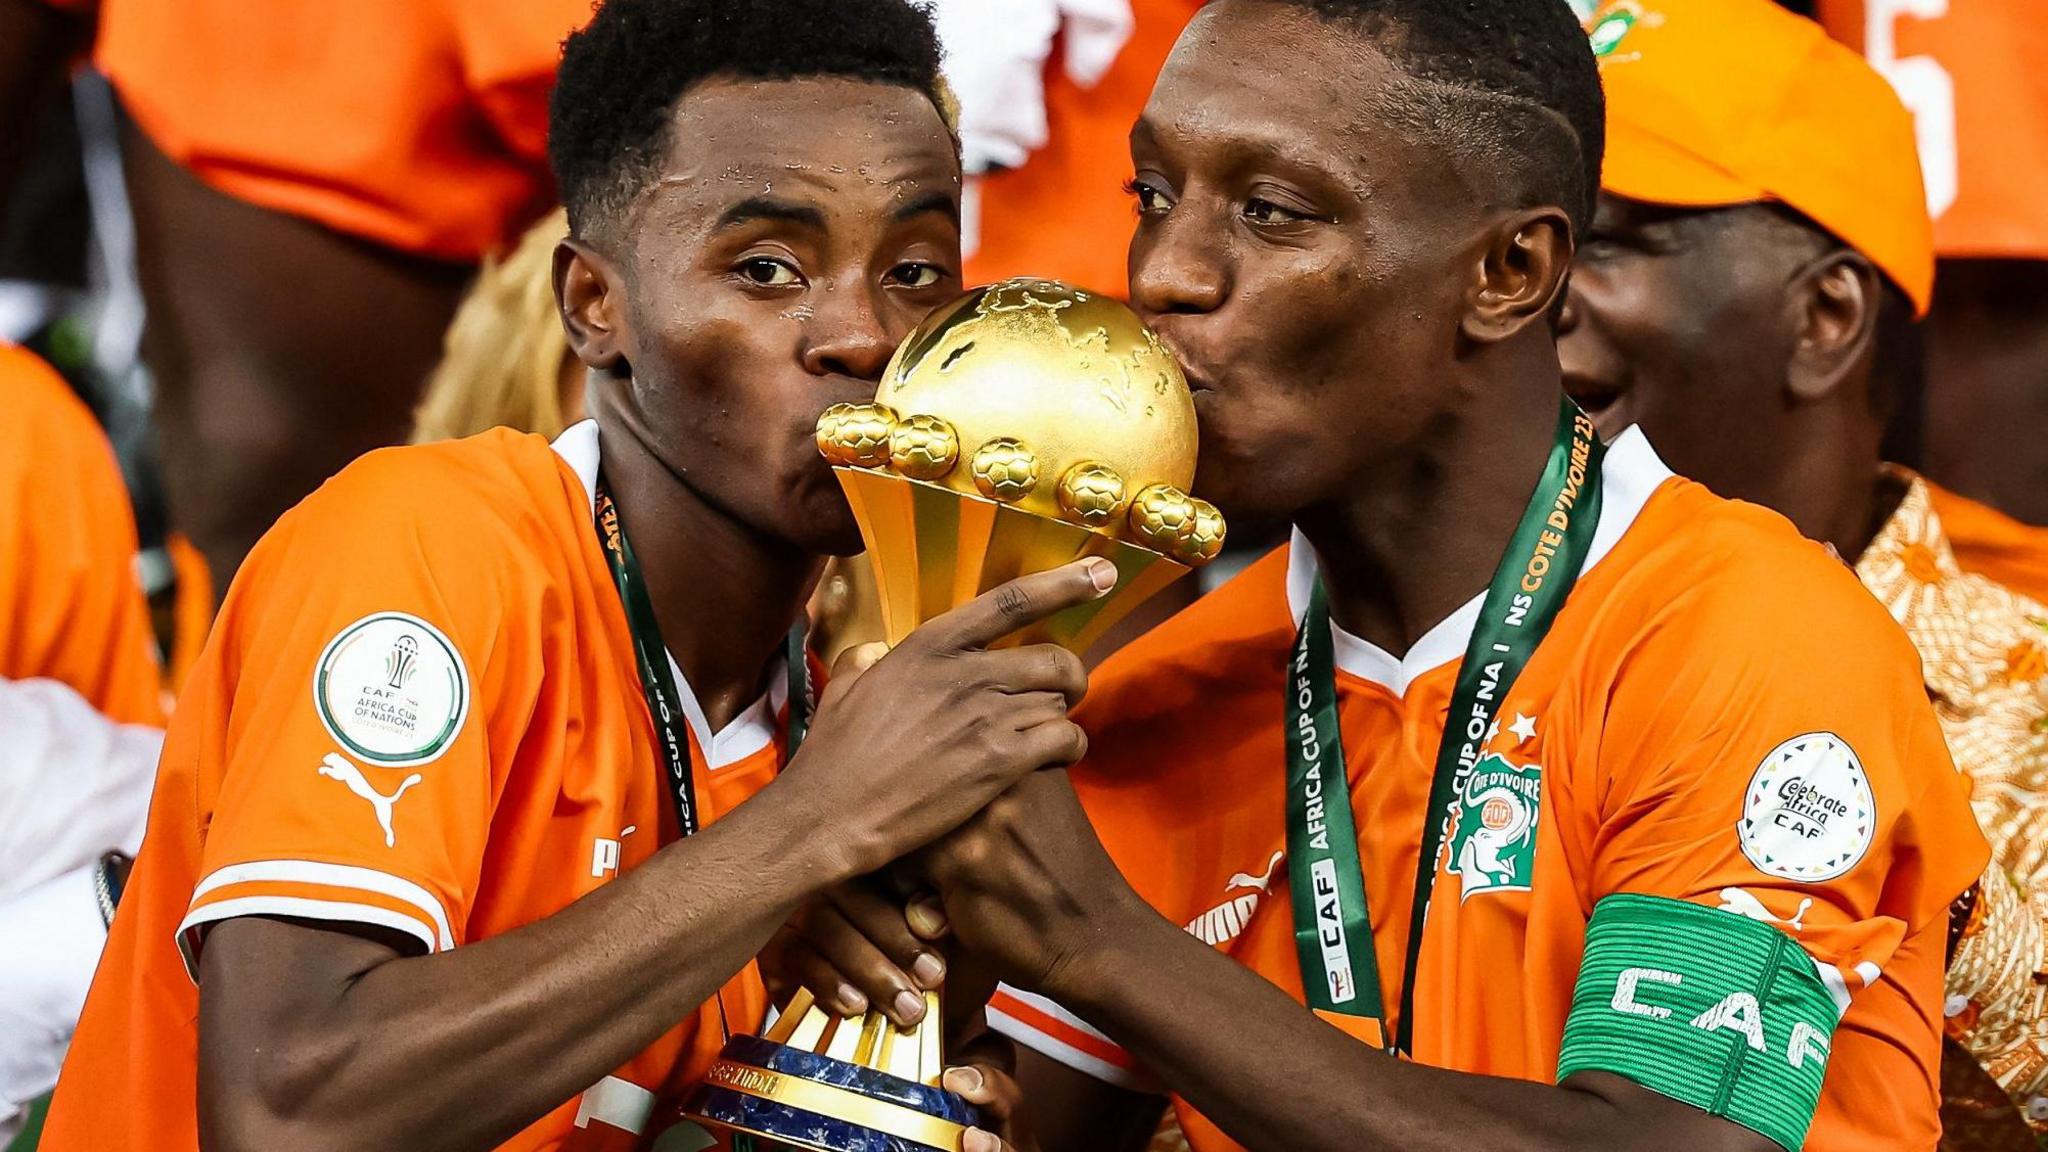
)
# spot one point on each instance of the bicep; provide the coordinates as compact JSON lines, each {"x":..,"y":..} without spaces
{"x":272,"y":1021}
{"x":1069,"y":1111}
{"x":1773,"y":831}
{"x":1680,"y":1127}
{"x":356,"y":773}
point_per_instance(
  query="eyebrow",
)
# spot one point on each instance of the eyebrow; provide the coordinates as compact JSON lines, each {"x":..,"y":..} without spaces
{"x":938,"y":202}
{"x":769,"y":208}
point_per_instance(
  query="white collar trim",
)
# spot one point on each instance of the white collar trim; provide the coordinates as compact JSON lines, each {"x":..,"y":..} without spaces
{"x":1631,"y":472}
{"x":754,"y":728}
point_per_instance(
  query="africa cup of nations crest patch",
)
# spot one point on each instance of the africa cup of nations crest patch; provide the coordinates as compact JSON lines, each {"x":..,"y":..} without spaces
{"x":1493,"y":848}
{"x":392,"y":690}
{"x":1808,"y":814}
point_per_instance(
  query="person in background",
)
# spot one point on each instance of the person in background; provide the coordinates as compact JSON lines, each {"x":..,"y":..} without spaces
{"x":501,"y":764}
{"x":74,"y":791}
{"x":351,"y":164}
{"x":80,"y":714}
{"x":1747,"y":297}
{"x":1985,"y":540}
{"x":1682,"y":881}
{"x":71,"y":608}
{"x":1056,"y":111}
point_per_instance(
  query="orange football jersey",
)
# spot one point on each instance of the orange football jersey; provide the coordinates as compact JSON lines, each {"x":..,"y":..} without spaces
{"x":1971,"y":73}
{"x":1711,"y":677}
{"x":418,"y":124}
{"x":418,"y":709}
{"x":71,"y":606}
{"x":1992,"y":544}
{"x":1077,"y":179}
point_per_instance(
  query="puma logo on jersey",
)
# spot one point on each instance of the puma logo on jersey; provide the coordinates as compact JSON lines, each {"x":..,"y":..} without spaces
{"x":1226,"y":921}
{"x":604,"y":854}
{"x":336,"y":767}
{"x":1263,"y":881}
{"x":1740,"y":902}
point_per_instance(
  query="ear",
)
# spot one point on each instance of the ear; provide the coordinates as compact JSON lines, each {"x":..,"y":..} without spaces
{"x":1836,"y":303}
{"x":1520,"y":275}
{"x":590,"y":292}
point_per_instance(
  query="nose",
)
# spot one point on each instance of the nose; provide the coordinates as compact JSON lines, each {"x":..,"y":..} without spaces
{"x":846,"y":336}
{"x":1176,"y":268}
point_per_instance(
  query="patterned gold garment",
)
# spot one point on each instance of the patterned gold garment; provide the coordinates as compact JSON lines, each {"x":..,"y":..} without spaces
{"x":1985,"y":652}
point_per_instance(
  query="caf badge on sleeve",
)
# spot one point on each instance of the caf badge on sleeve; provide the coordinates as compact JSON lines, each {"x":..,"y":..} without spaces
{"x":392,"y":690}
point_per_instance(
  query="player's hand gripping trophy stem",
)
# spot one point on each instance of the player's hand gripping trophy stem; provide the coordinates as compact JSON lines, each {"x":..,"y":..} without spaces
{"x":940,"y":726}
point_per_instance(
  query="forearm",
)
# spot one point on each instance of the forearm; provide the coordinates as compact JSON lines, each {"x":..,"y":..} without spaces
{"x":1277,"y":1078}
{"x":473,"y":1045}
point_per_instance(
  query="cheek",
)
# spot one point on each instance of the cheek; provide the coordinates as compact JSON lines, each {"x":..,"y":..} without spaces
{"x":725,"y":364}
{"x":1312,"y":391}
{"x":710,"y":388}
{"x":1666,"y":330}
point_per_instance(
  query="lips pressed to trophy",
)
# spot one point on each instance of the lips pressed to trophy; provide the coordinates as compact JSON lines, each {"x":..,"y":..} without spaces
{"x":1024,"y":426}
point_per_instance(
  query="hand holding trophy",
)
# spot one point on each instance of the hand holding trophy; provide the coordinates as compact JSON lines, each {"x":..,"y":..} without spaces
{"x":1023,"y":427}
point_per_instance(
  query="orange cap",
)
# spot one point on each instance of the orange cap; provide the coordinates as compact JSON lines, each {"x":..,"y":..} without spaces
{"x":1718,"y":102}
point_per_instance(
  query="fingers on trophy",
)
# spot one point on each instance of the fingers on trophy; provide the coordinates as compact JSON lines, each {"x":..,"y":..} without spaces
{"x":1024,"y":426}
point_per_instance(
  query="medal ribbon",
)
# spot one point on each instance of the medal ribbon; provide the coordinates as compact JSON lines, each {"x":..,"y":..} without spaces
{"x":664,"y":702}
{"x":1332,"y":924}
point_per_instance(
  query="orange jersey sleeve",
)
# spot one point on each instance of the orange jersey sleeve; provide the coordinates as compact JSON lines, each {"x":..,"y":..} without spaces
{"x":380,"y":642}
{"x":1078,"y":178}
{"x":1770,"y":772}
{"x":416,"y":124}
{"x":71,"y":607}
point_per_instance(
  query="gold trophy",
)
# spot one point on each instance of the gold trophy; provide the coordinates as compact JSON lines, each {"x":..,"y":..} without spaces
{"x":1024,"y":426}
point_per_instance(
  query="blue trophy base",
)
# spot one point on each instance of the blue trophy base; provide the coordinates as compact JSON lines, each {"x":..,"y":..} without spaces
{"x":797,"y":1099}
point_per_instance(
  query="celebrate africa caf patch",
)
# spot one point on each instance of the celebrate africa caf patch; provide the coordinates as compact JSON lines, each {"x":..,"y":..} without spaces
{"x":1494,"y":846}
{"x":1808,"y":814}
{"x":392,"y":690}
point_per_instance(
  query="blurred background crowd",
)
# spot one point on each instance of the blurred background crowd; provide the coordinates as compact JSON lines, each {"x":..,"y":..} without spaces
{"x":242,"y":244}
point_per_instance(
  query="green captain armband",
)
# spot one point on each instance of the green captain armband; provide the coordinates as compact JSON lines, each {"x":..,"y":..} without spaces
{"x":1725,"y":1013}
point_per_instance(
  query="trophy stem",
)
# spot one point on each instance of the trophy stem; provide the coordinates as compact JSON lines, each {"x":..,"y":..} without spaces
{"x":836,"y":1084}
{"x":869,"y":1041}
{"x":932,"y":549}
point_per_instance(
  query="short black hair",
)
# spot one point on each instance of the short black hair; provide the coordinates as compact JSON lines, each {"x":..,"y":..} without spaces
{"x":608,"y":122}
{"x":1511,"y":84}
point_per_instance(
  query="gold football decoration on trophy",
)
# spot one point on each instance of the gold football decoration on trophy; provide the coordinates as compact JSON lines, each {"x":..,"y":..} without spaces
{"x":856,"y":434}
{"x":1091,"y":494}
{"x":1162,"y":517}
{"x":1204,"y":540}
{"x":1004,"y":469}
{"x":1061,"y":404}
{"x":1074,"y":375}
{"x":923,"y":447}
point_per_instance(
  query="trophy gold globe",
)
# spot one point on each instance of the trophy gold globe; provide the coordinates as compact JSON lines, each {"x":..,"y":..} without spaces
{"x":1024,"y":426}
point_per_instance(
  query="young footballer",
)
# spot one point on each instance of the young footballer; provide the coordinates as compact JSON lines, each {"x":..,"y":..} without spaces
{"x":1747,"y":296}
{"x":1532,"y":796}
{"x":494,"y":776}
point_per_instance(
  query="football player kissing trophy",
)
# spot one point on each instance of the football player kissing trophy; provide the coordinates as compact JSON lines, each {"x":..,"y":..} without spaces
{"x":1027,"y":425}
